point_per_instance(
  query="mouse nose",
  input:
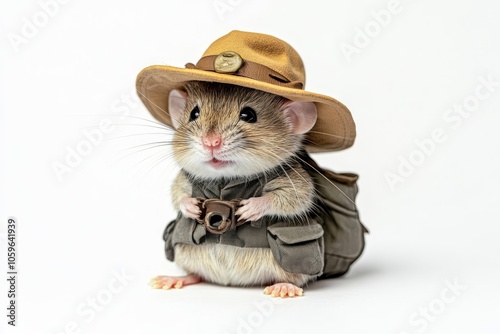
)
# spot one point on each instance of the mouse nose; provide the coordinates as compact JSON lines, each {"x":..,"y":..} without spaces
{"x":212,"y":141}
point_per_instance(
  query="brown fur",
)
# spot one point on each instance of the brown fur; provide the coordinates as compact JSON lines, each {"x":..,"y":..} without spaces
{"x":236,"y":266}
{"x":260,"y":146}
{"x":266,"y":143}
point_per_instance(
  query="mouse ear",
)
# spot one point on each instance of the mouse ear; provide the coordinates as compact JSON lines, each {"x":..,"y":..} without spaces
{"x":302,"y":115}
{"x":176,"y":105}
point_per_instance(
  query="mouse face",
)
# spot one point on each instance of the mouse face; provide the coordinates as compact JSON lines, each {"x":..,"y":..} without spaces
{"x":227,"y":131}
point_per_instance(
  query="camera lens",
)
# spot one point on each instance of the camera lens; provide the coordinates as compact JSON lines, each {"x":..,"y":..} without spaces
{"x":215,"y":220}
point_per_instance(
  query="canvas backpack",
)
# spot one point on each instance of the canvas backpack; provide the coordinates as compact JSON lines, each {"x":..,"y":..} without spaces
{"x":343,"y":235}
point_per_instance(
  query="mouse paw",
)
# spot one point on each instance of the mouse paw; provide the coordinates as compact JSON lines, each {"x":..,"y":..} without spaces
{"x":189,"y":207}
{"x":283,"y":290}
{"x":176,"y":282}
{"x":253,"y":208}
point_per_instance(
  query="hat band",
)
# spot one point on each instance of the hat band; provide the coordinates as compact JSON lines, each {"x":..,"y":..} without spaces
{"x":250,"y":70}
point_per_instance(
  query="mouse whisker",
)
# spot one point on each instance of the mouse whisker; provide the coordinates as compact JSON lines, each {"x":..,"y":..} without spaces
{"x":124,"y":124}
{"x":139,"y":162}
{"x":161,"y":143}
{"x":144,"y":96}
{"x":330,"y":135}
{"x":291,"y":182}
{"x":312,"y":167}
{"x":136,"y":134}
{"x":147,"y":120}
{"x":281,"y":166}
{"x":327,"y":179}
{"x":155,"y":145}
{"x":158,"y":161}
{"x":151,"y":156}
{"x":155,"y":159}
{"x":125,"y":116}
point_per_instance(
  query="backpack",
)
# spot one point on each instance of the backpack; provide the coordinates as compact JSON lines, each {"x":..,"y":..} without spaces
{"x":338,"y":215}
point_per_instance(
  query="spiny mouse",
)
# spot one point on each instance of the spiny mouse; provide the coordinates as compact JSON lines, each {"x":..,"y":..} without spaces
{"x":253,"y":208}
{"x":227,"y":135}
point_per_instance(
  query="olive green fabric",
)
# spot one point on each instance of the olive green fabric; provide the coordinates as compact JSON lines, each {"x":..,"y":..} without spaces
{"x":324,"y":244}
{"x":343,"y":231}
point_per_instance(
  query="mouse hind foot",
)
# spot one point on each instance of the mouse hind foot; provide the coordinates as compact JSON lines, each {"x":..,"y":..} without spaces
{"x":176,"y":282}
{"x":283,"y":290}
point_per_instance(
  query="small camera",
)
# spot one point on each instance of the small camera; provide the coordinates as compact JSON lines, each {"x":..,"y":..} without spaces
{"x":218,"y":216}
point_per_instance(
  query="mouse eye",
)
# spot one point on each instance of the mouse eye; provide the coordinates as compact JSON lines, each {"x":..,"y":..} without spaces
{"x":248,"y":115}
{"x":195,"y":113}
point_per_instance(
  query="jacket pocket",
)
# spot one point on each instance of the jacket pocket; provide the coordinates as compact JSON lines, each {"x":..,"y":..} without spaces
{"x":182,"y":230}
{"x":297,"y":249}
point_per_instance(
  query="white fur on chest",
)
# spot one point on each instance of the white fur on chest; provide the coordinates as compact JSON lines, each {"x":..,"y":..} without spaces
{"x":237,"y":266}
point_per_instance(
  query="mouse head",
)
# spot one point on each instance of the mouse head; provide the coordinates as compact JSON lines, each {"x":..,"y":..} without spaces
{"x":227,"y":131}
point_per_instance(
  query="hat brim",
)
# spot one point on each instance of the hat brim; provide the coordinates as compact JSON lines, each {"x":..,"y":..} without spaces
{"x":334,"y":129}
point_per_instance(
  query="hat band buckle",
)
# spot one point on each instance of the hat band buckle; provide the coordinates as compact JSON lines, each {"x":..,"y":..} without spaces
{"x":230,"y":62}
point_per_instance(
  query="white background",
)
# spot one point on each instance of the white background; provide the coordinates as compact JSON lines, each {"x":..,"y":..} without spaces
{"x":437,"y":225}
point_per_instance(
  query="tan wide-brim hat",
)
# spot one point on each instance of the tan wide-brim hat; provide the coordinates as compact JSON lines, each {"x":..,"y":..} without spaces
{"x":255,"y":61}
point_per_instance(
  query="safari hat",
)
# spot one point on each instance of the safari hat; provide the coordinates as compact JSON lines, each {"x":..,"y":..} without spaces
{"x":257,"y":61}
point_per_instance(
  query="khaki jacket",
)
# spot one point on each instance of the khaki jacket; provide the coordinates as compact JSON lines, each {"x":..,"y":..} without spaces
{"x":324,"y":244}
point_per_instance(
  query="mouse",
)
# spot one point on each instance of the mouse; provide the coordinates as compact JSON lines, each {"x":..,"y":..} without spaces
{"x":232,"y":142}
